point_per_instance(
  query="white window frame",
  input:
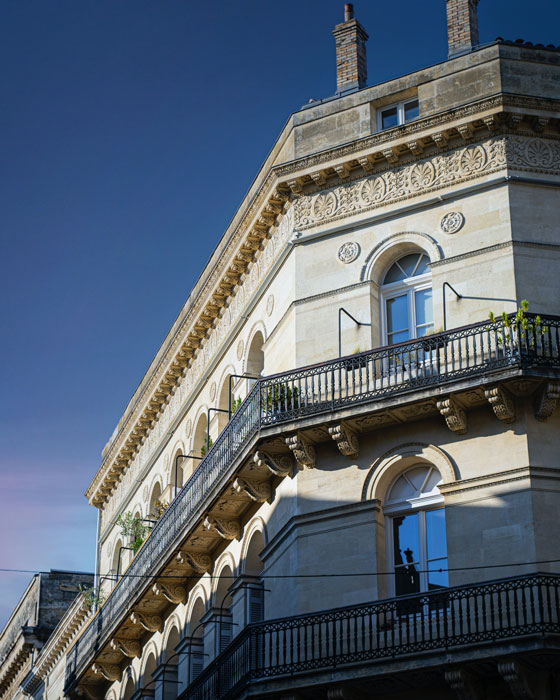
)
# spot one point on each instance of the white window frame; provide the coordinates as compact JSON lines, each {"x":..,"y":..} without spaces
{"x":408,"y":286}
{"x":400,"y":113}
{"x":421,"y":506}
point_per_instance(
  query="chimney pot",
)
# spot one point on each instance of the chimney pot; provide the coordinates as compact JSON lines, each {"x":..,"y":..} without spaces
{"x":351,"y":66}
{"x":348,"y":11}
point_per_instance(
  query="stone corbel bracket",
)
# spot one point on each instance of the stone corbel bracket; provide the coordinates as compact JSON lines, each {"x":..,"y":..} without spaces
{"x":516,"y":676}
{"x":93,"y":691}
{"x":111,"y":672}
{"x":303,"y":450}
{"x":201,"y":563}
{"x":151,"y":623}
{"x":174,"y":594}
{"x":127,"y":647}
{"x":502,"y":403}
{"x":463,"y":684}
{"x":228,"y":529}
{"x":346,"y":439}
{"x":545,"y":402}
{"x":258,"y":491}
{"x":279,"y":465}
{"x":454,"y":415}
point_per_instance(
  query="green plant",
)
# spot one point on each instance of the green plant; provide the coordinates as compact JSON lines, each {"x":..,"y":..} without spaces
{"x":159,"y":509}
{"x":133,"y":527}
{"x":532,"y":326}
{"x":203,"y":448}
{"x":280,"y":396}
{"x":92,"y":598}
{"x":235,"y":403}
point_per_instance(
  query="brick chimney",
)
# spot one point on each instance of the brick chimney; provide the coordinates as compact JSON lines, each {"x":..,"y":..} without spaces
{"x":351,"y":66}
{"x":462,"y":26}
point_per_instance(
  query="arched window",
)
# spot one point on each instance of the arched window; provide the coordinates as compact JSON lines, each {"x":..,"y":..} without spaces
{"x":416,"y":545}
{"x":406,"y":297}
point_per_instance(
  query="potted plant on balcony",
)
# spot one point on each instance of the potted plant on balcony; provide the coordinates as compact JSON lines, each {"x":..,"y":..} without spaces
{"x":518,"y":328}
{"x":434,"y":339}
{"x":93,"y":598}
{"x":133,"y":527}
{"x":280,"y":397}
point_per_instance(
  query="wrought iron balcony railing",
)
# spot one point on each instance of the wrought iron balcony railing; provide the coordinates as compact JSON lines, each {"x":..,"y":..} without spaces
{"x":480,"y":349}
{"x":439,"y":620}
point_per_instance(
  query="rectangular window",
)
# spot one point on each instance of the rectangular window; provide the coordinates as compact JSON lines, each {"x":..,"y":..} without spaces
{"x":396,"y":115}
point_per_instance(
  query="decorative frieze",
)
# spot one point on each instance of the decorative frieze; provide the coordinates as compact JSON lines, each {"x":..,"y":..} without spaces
{"x":303,"y":450}
{"x":454,"y":415}
{"x":546,"y":400}
{"x":346,"y":439}
{"x":502,"y":403}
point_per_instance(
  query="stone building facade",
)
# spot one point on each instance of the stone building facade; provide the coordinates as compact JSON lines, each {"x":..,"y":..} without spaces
{"x":349,"y":473}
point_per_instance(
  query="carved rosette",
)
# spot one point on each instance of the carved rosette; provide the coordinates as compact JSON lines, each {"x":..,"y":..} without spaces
{"x":303,"y":450}
{"x":259,"y":491}
{"x":502,"y":403}
{"x":151,"y":623}
{"x":454,"y":415}
{"x":110,"y":672}
{"x":127,"y":647}
{"x":452,"y":222}
{"x":228,"y":529}
{"x":546,"y":400}
{"x":174,"y":594}
{"x":346,"y":439}
{"x":196,"y":561}
{"x":279,"y":465}
{"x":348,"y":252}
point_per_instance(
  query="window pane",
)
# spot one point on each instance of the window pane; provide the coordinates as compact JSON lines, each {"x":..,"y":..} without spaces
{"x":394,"y":338}
{"x":423,"y":266}
{"x":405,"y":539}
{"x":424,"y":310}
{"x":411,"y":110}
{"x":397,"y":314}
{"x":389,"y":118}
{"x":394,"y":275}
{"x":408,"y":263}
{"x":435,"y":533}
{"x":437,"y":579}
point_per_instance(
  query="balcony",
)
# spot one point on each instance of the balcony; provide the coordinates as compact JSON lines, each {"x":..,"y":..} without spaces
{"x":481,"y":622}
{"x":446,"y":362}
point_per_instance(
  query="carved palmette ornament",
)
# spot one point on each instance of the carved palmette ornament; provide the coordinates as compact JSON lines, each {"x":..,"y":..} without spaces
{"x":279,"y":465}
{"x":502,"y":403}
{"x":151,"y":623}
{"x":346,"y":439}
{"x":454,"y":415}
{"x":303,"y":450}
{"x":198,"y":562}
{"x":546,"y":400}
{"x":228,"y":529}
{"x":110,"y":672}
{"x":174,"y":594}
{"x":258,"y":491}
{"x":127,"y":647}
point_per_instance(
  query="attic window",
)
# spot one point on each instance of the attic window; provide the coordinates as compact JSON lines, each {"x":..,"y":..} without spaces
{"x":397,"y":114}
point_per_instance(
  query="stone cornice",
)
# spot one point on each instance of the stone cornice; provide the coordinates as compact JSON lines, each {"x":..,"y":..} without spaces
{"x":260,"y":219}
{"x":59,"y":641}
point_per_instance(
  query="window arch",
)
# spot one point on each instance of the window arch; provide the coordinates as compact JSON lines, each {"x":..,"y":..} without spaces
{"x":416,"y":546}
{"x":406,"y":298}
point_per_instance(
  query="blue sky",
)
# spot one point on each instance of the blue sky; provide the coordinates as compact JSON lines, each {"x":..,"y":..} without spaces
{"x":129,"y":132}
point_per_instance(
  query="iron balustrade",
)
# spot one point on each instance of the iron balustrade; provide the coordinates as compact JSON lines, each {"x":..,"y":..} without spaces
{"x":473,"y":350}
{"x":439,"y":620}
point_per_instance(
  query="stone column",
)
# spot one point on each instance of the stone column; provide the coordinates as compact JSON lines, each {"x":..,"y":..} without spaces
{"x":248,"y":601}
{"x":217,"y":631}
{"x":191,"y":661}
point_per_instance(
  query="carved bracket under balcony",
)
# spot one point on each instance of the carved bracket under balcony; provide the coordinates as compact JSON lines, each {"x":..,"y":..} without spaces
{"x":346,"y":439}
{"x":151,"y":623}
{"x":502,"y":403}
{"x":454,"y":415}
{"x":127,"y":647}
{"x":303,"y":450}
{"x":279,"y":465}
{"x":200,"y":563}
{"x":110,"y":672}
{"x":546,"y":400}
{"x":174,"y":594}
{"x":259,"y":491}
{"x":463,"y":684}
{"x":516,"y":677}
{"x":228,"y":529}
